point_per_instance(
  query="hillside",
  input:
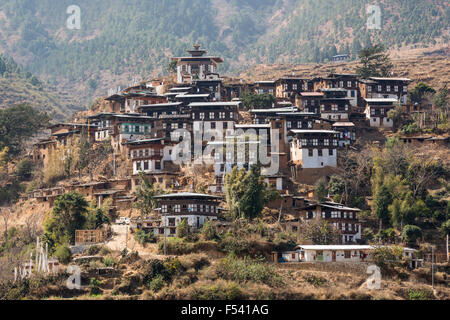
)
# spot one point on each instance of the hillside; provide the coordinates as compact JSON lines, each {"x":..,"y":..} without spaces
{"x":140,"y":37}
{"x":18,"y":86}
{"x":431,"y":65}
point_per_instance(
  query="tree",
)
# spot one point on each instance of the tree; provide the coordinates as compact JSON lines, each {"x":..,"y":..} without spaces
{"x":18,"y":123}
{"x":182,"y":229}
{"x":252,"y":201}
{"x":320,"y":191}
{"x":336,"y":185}
{"x":252,"y":100}
{"x":24,"y":169}
{"x":440,"y":100}
{"x":96,"y":218}
{"x":172,"y":66}
{"x":4,"y":157}
{"x":209,"y":231}
{"x":145,"y":195}
{"x":320,"y":231}
{"x":411,"y":233}
{"x":375,"y":62}
{"x":368,"y":234}
{"x":68,"y":215}
{"x":247,"y":193}
{"x":418,"y":93}
{"x":445,"y":228}
{"x":382,"y":201}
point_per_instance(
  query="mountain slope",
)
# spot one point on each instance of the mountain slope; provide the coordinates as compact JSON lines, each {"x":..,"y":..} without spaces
{"x":18,"y":86}
{"x":137,"y":36}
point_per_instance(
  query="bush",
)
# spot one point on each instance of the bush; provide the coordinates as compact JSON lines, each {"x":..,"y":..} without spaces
{"x":94,"y":286}
{"x":93,"y":250}
{"x":63,"y":254}
{"x":411,"y":233}
{"x":420,"y":294}
{"x":315,"y":280}
{"x":182,"y":229}
{"x":218,"y":291}
{"x":143,"y":237}
{"x":243,"y":270}
{"x":209,"y":231}
{"x":157,"y":283}
{"x":24,"y":169}
{"x":109,"y":261}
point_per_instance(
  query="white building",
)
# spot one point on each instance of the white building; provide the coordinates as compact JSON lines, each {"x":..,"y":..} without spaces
{"x":314,"y":148}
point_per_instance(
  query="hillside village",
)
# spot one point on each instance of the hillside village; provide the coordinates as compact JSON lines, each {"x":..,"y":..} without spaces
{"x":288,"y":164}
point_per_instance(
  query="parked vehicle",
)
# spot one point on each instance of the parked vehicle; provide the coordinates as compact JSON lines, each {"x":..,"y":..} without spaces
{"x":123,"y":220}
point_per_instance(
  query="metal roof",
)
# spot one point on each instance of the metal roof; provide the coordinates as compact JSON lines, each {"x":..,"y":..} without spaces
{"x":313,"y":131}
{"x":381,"y":100}
{"x":186,"y":195}
{"x":335,"y":247}
{"x":213,"y":104}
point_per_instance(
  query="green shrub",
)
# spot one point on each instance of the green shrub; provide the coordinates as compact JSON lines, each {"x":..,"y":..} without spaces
{"x":243,"y":270}
{"x":218,"y":291}
{"x":94,"y":286}
{"x":143,"y":237}
{"x":315,"y":280}
{"x":109,"y":261}
{"x":63,"y":254}
{"x":209,"y":231}
{"x":157,"y":283}
{"x":182,"y":229}
{"x":420,"y":294}
{"x":93,"y":250}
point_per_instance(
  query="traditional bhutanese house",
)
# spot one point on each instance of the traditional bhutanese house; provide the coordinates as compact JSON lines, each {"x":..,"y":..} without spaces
{"x":334,"y":253}
{"x":261,"y":116}
{"x":195,"y":208}
{"x":175,"y":126}
{"x":208,"y":116}
{"x":340,"y":253}
{"x":347,"y":133}
{"x":377,"y":110}
{"x":247,"y":147}
{"x":159,"y":109}
{"x":122,"y":127}
{"x":187,"y":98}
{"x":147,"y":155}
{"x":64,"y":131}
{"x":224,"y":160}
{"x":212,"y":84}
{"x":341,"y":217}
{"x":340,"y":57}
{"x":261,"y":87}
{"x":41,"y":151}
{"x":134,"y":100}
{"x":335,"y":105}
{"x":387,"y":88}
{"x":149,"y":225}
{"x":289,"y":87}
{"x":47,"y":195}
{"x":115,"y":103}
{"x":233,"y":90}
{"x":349,"y":82}
{"x":310,"y":102}
{"x":88,"y":190}
{"x":195,"y":66}
{"x":421,"y":140}
{"x":313,"y":148}
{"x":153,"y":158}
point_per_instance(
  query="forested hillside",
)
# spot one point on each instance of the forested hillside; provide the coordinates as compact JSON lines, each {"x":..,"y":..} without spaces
{"x":20,"y":86}
{"x":138,"y":37}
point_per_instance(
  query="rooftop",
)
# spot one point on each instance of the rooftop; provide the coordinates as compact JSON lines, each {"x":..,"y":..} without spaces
{"x":296,"y":131}
{"x":214,"y":104}
{"x":186,"y":195}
